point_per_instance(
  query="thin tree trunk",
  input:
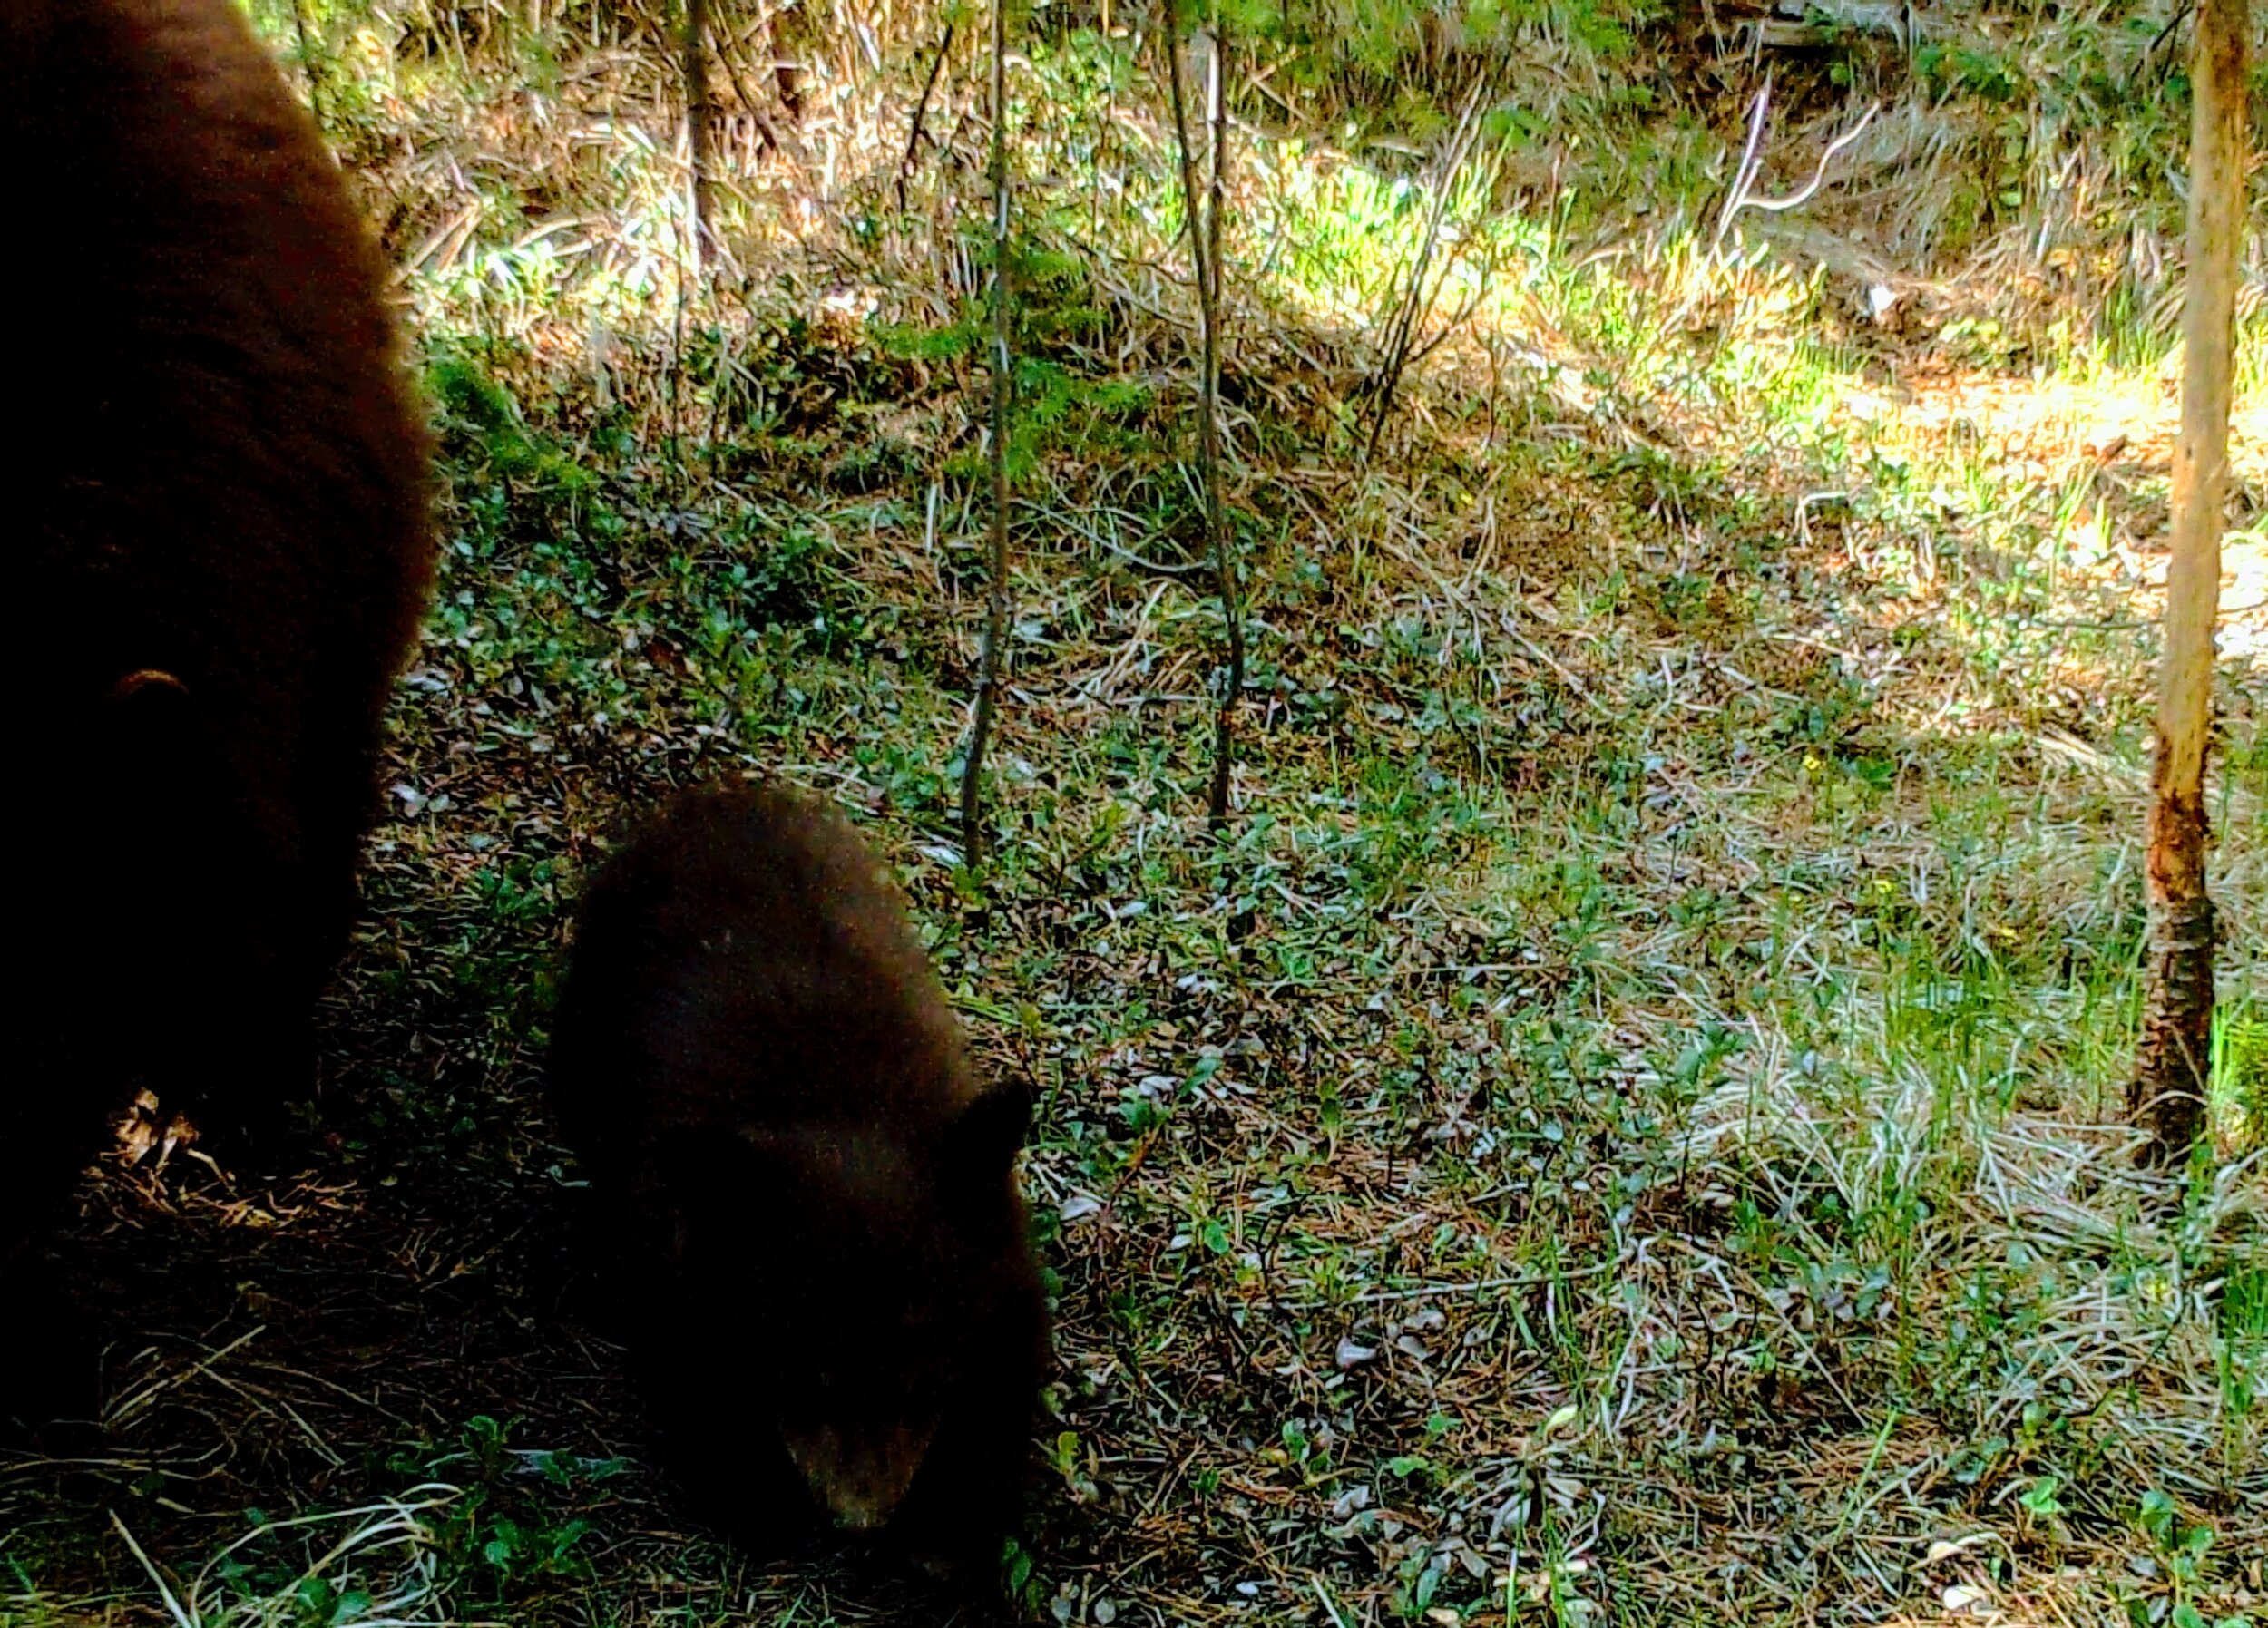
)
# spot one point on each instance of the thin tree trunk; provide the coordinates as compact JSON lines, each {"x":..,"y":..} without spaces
{"x":1204,"y":211}
{"x":697,"y":120}
{"x":996,"y":603}
{"x":2168,"y":1097}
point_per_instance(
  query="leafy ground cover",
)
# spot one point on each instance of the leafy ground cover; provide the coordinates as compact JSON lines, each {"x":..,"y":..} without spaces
{"x":1622,"y":1128}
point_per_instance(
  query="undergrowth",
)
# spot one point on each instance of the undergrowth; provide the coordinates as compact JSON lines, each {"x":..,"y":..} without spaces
{"x":1623,"y":1128}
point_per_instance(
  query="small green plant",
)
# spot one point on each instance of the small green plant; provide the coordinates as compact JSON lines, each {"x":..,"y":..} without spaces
{"x":2181,"y":1546}
{"x":506,"y":1527}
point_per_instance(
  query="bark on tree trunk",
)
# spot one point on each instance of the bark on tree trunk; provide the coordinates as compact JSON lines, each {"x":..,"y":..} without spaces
{"x":2168,"y":1094}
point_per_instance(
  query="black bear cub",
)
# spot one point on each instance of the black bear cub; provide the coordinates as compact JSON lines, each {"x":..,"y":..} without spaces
{"x":809,"y":1191}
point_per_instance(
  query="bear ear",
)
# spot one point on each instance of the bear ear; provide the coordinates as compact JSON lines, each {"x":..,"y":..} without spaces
{"x":147,"y":681}
{"x":984,"y":1136}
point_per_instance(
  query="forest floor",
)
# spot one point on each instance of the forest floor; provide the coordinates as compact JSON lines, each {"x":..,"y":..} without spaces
{"x":1622,"y":1127}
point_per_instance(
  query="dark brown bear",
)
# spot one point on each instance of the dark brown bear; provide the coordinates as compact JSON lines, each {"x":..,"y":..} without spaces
{"x":215,"y":483}
{"x":831,"y":1300}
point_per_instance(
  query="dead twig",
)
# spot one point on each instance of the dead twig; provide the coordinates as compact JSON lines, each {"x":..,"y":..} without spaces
{"x":1422,"y":290}
{"x":915,"y":134}
{"x":1745,"y":176}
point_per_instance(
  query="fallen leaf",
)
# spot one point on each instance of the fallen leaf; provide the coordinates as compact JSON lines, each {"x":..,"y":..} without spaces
{"x":1351,"y":1355}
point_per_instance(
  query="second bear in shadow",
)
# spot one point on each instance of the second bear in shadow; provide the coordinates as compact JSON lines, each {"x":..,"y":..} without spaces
{"x":818,"y":1242}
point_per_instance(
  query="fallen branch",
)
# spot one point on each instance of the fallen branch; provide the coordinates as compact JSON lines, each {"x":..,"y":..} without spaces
{"x":1739,"y":197}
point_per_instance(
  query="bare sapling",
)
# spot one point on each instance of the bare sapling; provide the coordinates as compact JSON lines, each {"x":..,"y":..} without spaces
{"x":2168,"y":1097}
{"x":991,"y":655}
{"x":1204,"y":212}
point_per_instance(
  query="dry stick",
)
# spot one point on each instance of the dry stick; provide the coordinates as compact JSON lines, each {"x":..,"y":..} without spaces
{"x":1739,"y":197}
{"x":1751,"y":156}
{"x":1204,"y":212}
{"x":1224,"y":561}
{"x":1217,"y":114}
{"x":915,"y":135}
{"x":696,"y":67}
{"x":2181,"y":15}
{"x":2168,"y":1095}
{"x":686,"y":239}
{"x":1416,"y":303}
{"x":725,"y":47}
{"x":1417,"y":300}
{"x":1109,"y":117}
{"x":1482,"y":284}
{"x":996,"y":605}
{"x":165,"y":1591}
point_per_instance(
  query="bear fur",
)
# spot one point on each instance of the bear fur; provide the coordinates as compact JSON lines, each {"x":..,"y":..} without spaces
{"x":219,"y":501}
{"x":818,"y":1245}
